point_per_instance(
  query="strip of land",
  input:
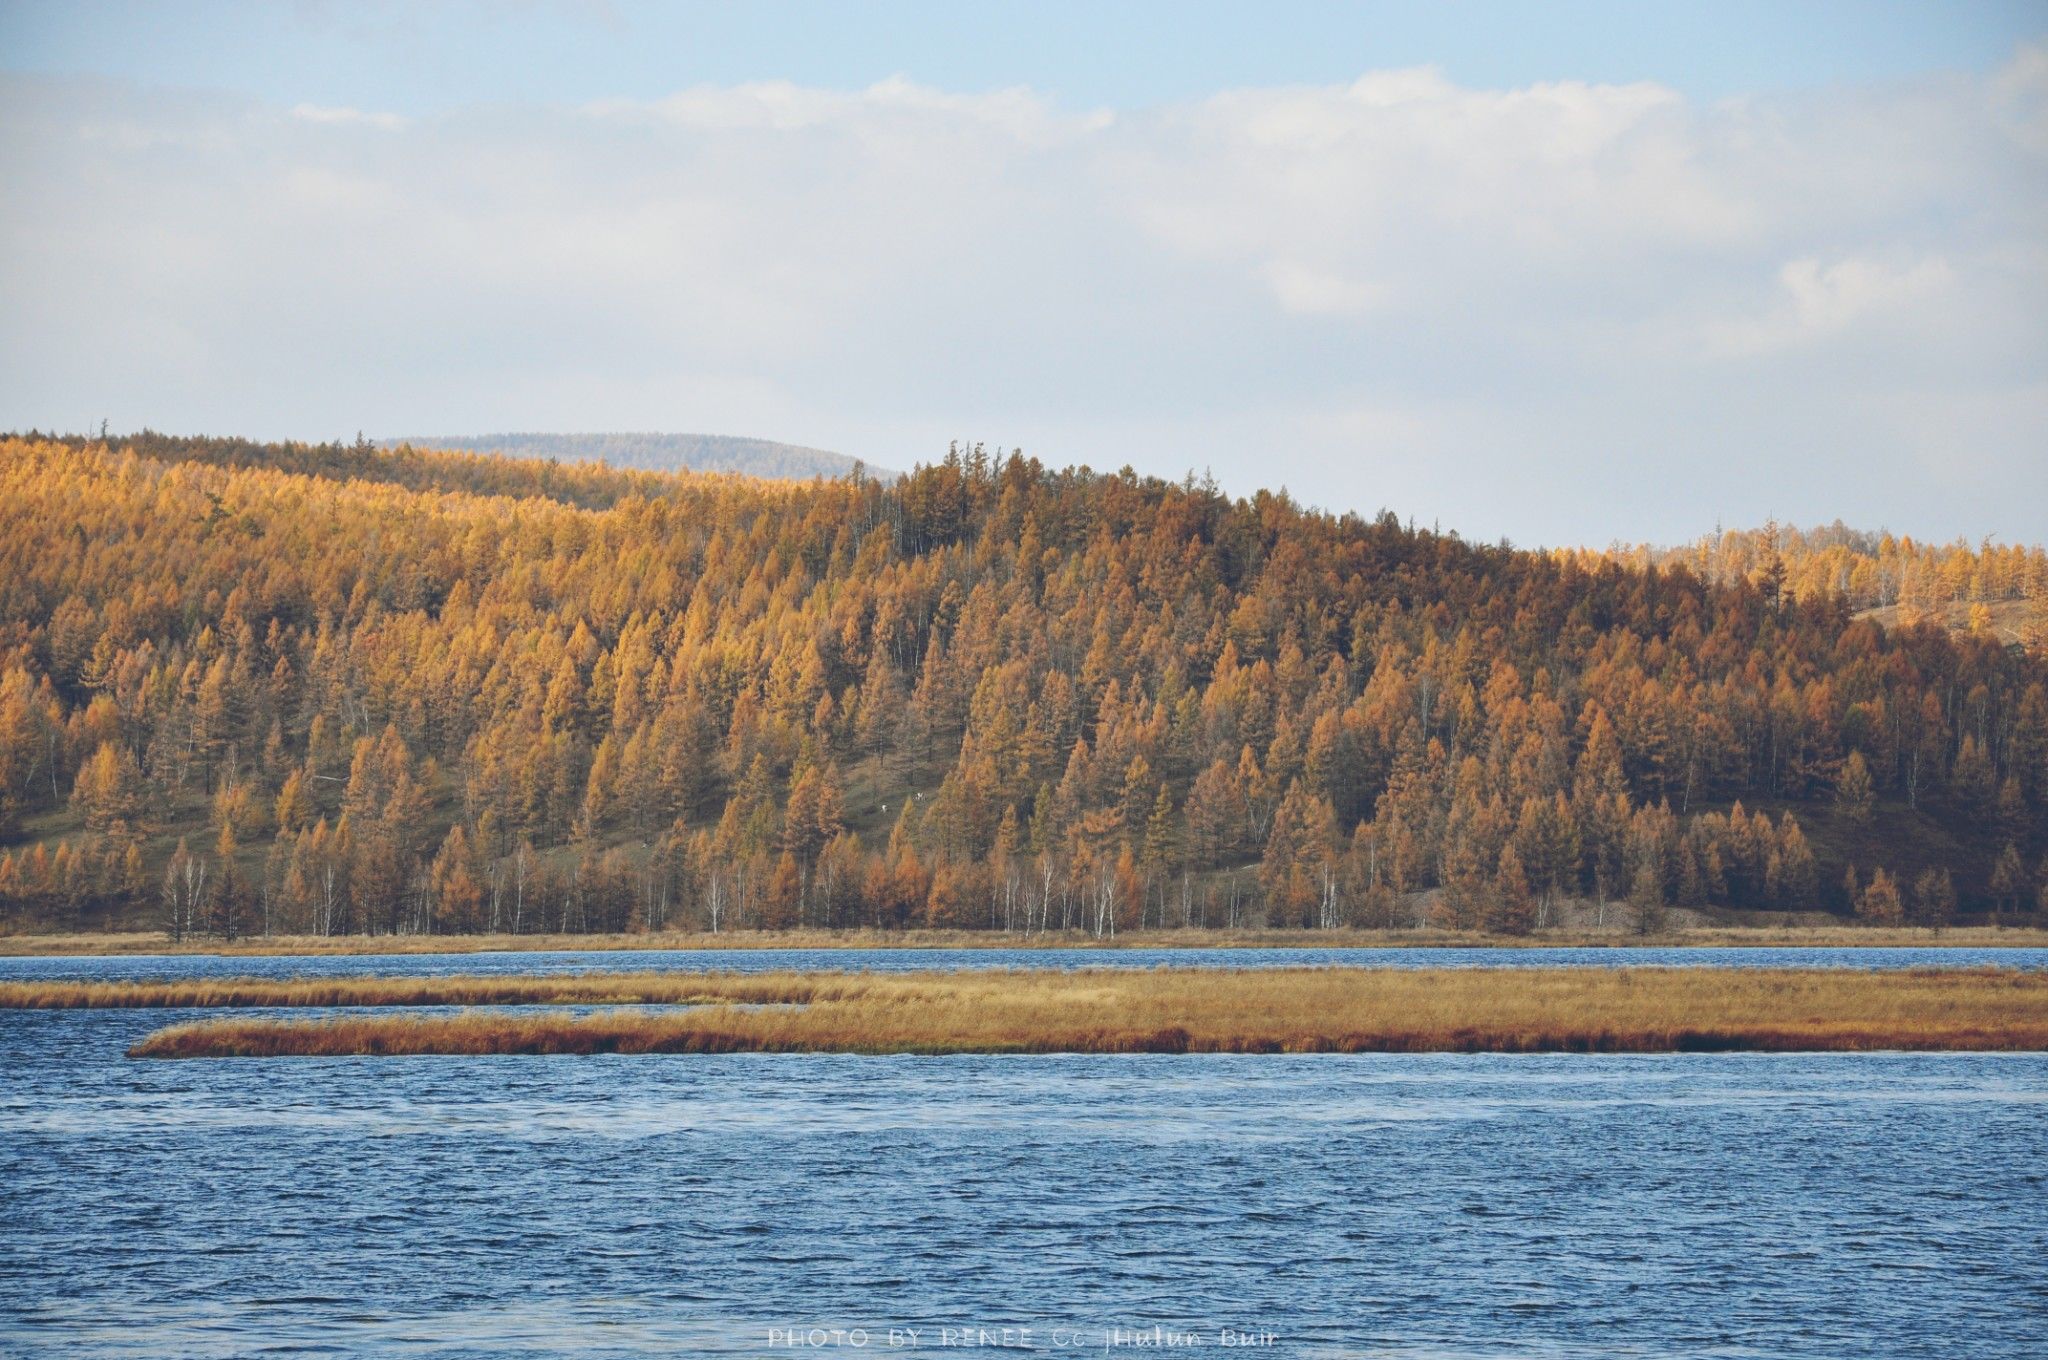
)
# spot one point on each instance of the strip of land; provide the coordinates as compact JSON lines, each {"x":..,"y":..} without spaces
{"x":1848,"y":935}
{"x":568,"y":989}
{"x":1633,"y":1010}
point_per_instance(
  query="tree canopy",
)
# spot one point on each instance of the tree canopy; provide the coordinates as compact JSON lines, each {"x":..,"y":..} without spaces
{"x":337,"y":687}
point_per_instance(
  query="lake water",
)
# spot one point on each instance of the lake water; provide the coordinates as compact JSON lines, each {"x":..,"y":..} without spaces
{"x":1710,"y":1205}
{"x":908,"y":960}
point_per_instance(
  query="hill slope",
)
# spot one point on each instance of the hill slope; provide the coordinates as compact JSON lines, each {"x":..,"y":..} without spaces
{"x":1896,"y":580}
{"x":330,"y":688}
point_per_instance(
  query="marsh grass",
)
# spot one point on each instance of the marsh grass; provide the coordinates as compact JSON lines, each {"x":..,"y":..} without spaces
{"x":1723,"y":936}
{"x":568,"y":989}
{"x":1652,"y":1010}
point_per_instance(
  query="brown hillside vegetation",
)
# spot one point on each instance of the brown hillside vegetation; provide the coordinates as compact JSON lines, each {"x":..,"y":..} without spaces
{"x":334,"y":690}
{"x":1153,"y":1011}
{"x":1890,"y":577}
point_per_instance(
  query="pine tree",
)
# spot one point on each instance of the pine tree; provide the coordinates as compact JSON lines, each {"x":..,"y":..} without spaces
{"x":1879,"y":903}
{"x":230,"y":893}
{"x":107,"y":788}
{"x":2008,"y":879}
{"x":1514,"y":905}
{"x":458,"y":888}
{"x":1934,"y":899}
{"x":1646,"y":884}
{"x":2011,"y":816}
{"x":1854,"y":794}
{"x":1972,"y":778}
{"x":295,"y":810}
{"x":1799,"y":875}
{"x":1462,"y":900}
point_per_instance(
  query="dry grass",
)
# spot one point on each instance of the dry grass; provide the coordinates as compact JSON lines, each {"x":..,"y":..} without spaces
{"x":1812,"y":936}
{"x":1260,"y":1011}
{"x":571,"y":989}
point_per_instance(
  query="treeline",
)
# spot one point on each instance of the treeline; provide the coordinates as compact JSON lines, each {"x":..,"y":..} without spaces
{"x":332,"y":688}
{"x":1870,"y":570}
{"x":656,"y":452}
{"x":587,"y":483}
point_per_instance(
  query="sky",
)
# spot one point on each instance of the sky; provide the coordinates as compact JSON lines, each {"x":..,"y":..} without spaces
{"x":1570,"y":273}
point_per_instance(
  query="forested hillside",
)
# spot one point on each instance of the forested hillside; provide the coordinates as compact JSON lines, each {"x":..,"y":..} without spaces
{"x":1999,"y":589}
{"x":339,"y":689}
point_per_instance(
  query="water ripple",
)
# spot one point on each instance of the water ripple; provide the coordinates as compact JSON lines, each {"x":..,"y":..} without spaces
{"x":1736,"y":1205}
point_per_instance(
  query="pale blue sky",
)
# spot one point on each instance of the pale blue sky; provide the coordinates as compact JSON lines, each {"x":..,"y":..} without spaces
{"x":436,"y":54}
{"x":1563,"y":272}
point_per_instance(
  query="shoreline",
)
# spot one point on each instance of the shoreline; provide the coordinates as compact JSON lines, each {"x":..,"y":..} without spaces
{"x":1848,"y":936}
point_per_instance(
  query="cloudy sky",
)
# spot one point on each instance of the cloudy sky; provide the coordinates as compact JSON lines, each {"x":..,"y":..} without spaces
{"x":1561,"y":274}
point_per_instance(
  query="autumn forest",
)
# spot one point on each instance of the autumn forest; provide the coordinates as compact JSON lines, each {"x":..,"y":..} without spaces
{"x":342,"y":689}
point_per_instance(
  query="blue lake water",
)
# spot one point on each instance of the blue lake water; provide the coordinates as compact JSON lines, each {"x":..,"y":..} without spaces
{"x":909,"y":960}
{"x":1708,"y":1205}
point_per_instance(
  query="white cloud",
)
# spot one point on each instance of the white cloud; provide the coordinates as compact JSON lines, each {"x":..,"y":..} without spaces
{"x":1829,"y":298}
{"x":346,"y":117}
{"x":784,"y":107}
{"x":1567,"y":311}
{"x":1817,"y":300}
{"x":1311,"y":292}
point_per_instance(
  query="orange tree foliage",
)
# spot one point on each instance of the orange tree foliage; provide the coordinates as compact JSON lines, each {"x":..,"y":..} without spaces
{"x":399,"y":690}
{"x":1873,"y":570}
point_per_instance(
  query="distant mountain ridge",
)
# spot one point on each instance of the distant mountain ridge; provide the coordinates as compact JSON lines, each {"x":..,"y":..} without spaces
{"x":658,"y":452}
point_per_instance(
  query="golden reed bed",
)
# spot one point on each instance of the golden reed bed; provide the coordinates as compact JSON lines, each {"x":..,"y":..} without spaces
{"x":1188,"y":1011}
{"x":566,"y":989}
